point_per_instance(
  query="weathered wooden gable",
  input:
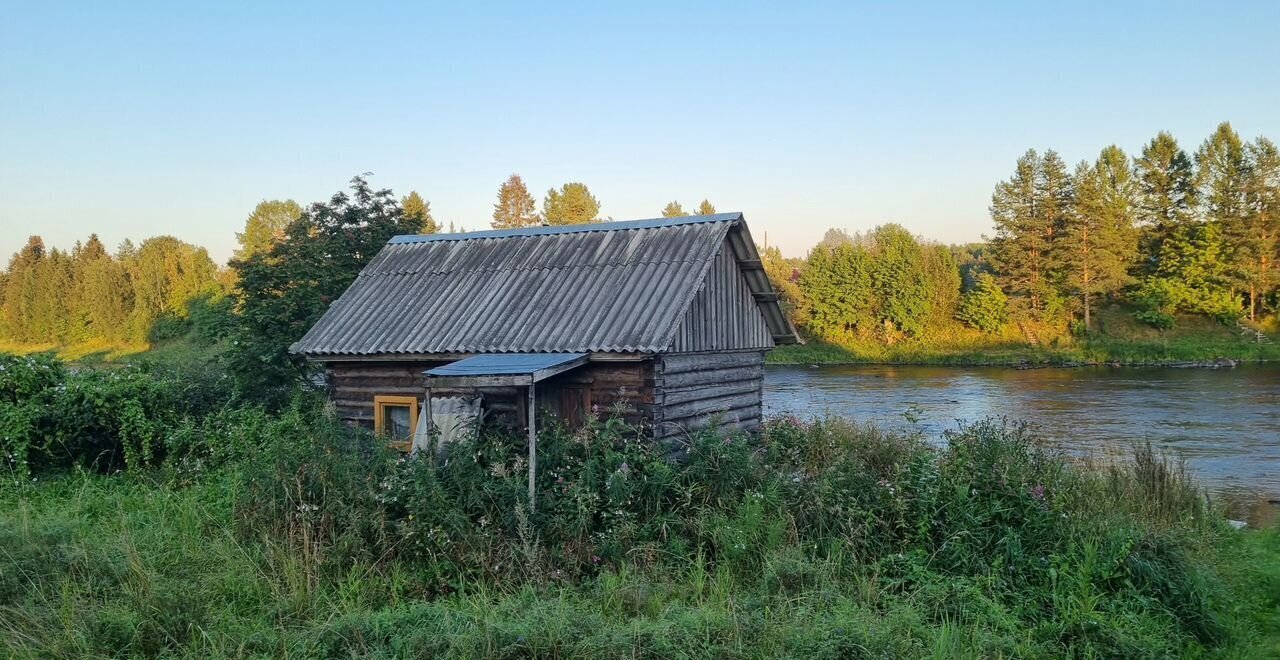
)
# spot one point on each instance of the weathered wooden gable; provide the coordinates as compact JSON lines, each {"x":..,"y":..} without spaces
{"x":724,"y":314}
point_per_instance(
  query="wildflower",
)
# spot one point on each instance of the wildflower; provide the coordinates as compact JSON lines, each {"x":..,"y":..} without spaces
{"x":624,"y":468}
{"x":1037,"y":491}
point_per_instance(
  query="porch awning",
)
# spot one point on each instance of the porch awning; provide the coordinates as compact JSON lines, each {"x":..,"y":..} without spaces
{"x":503,"y":369}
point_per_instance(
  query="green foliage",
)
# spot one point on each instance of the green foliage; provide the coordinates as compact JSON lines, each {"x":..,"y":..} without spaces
{"x":53,"y":418}
{"x":51,"y":297}
{"x":837,"y":291}
{"x":1098,"y":243}
{"x":1167,"y":193}
{"x":515,"y":207}
{"x":1028,"y":211}
{"x":898,"y":279}
{"x":1257,"y":239}
{"x":167,"y":273}
{"x":572,"y":204}
{"x":985,"y":306}
{"x":265,"y":227}
{"x":417,"y":212}
{"x":289,"y":534}
{"x":1192,"y":276}
{"x":283,"y":292}
{"x":884,"y":285}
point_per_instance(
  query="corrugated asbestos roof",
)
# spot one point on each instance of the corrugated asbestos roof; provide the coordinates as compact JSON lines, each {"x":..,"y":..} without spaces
{"x":607,"y":287}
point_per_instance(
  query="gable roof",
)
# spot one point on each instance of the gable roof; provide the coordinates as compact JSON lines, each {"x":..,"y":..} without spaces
{"x":606,"y":287}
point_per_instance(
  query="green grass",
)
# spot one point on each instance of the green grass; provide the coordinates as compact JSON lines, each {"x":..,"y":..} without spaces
{"x":886,"y":549}
{"x":1116,"y":338}
{"x":180,"y":350}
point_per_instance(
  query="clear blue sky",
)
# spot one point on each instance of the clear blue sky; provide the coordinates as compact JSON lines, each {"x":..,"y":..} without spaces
{"x":136,"y":119}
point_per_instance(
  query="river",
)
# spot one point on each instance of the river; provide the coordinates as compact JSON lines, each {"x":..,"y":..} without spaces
{"x":1224,"y":422}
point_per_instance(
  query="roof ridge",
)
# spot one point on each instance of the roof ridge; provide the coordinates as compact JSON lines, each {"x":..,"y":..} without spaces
{"x":552,"y":230}
{"x":525,"y":269}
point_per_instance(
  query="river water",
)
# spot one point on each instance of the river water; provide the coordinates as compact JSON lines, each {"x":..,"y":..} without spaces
{"x":1224,"y":422}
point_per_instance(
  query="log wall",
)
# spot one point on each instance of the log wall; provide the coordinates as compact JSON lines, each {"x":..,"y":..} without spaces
{"x":697,"y":389}
{"x":596,"y":388}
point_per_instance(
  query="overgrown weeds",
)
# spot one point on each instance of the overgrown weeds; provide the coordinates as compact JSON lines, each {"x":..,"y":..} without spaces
{"x":289,"y":534}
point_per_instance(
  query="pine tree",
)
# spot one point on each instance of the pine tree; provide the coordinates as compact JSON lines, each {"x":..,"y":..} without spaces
{"x":265,"y":227}
{"x":1223,"y":174}
{"x":418,"y":212}
{"x":1028,"y":211}
{"x":1262,"y":260}
{"x":705,"y":208}
{"x":1167,"y":195}
{"x":673,"y":210}
{"x":1098,"y":245}
{"x":515,"y":207}
{"x":573,"y":204}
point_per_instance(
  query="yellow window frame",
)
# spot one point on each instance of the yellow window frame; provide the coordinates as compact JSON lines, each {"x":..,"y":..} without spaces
{"x":380,"y":402}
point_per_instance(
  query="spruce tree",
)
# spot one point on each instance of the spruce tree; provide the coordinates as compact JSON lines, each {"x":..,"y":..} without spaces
{"x":21,"y":284}
{"x":985,"y":306}
{"x":1167,"y":195}
{"x":673,"y":210}
{"x":417,"y":212}
{"x":515,"y":206}
{"x":572,"y":204}
{"x":1098,"y":244}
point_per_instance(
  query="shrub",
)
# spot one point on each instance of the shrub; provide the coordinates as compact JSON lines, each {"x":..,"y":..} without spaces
{"x":52,"y":418}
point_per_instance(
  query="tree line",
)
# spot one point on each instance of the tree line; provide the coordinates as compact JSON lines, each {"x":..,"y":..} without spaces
{"x":165,"y":287}
{"x":51,"y":296}
{"x":570,"y":204}
{"x":1165,"y":232}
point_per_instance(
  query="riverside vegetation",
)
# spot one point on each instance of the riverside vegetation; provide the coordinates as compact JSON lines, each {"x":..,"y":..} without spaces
{"x":144,"y":512}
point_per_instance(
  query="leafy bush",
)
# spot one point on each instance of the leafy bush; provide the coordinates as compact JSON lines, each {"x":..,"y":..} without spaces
{"x":52,"y":418}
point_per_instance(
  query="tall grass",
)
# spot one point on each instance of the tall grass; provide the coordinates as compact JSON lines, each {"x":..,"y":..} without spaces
{"x":289,"y":535}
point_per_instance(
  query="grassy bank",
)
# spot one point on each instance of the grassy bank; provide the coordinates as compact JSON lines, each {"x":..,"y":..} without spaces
{"x":143,"y":515}
{"x":1117,"y":338}
{"x":99,"y":566}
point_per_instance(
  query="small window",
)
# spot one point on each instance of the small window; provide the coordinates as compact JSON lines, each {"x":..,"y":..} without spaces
{"x":396,"y":417}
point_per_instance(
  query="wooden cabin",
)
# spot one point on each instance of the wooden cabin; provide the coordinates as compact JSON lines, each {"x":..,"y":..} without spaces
{"x":666,"y":322}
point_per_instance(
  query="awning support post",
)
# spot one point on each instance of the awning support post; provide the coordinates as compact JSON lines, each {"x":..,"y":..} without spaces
{"x":426,"y":412}
{"x":533,"y":446}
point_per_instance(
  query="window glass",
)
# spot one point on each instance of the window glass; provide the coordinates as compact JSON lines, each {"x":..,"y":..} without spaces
{"x":397,"y":424}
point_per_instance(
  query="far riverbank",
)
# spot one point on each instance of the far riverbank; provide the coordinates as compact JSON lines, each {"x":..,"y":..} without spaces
{"x":1214,"y":353}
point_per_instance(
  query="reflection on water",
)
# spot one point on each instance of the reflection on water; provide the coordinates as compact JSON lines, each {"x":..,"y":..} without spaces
{"x":1226,"y":423}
